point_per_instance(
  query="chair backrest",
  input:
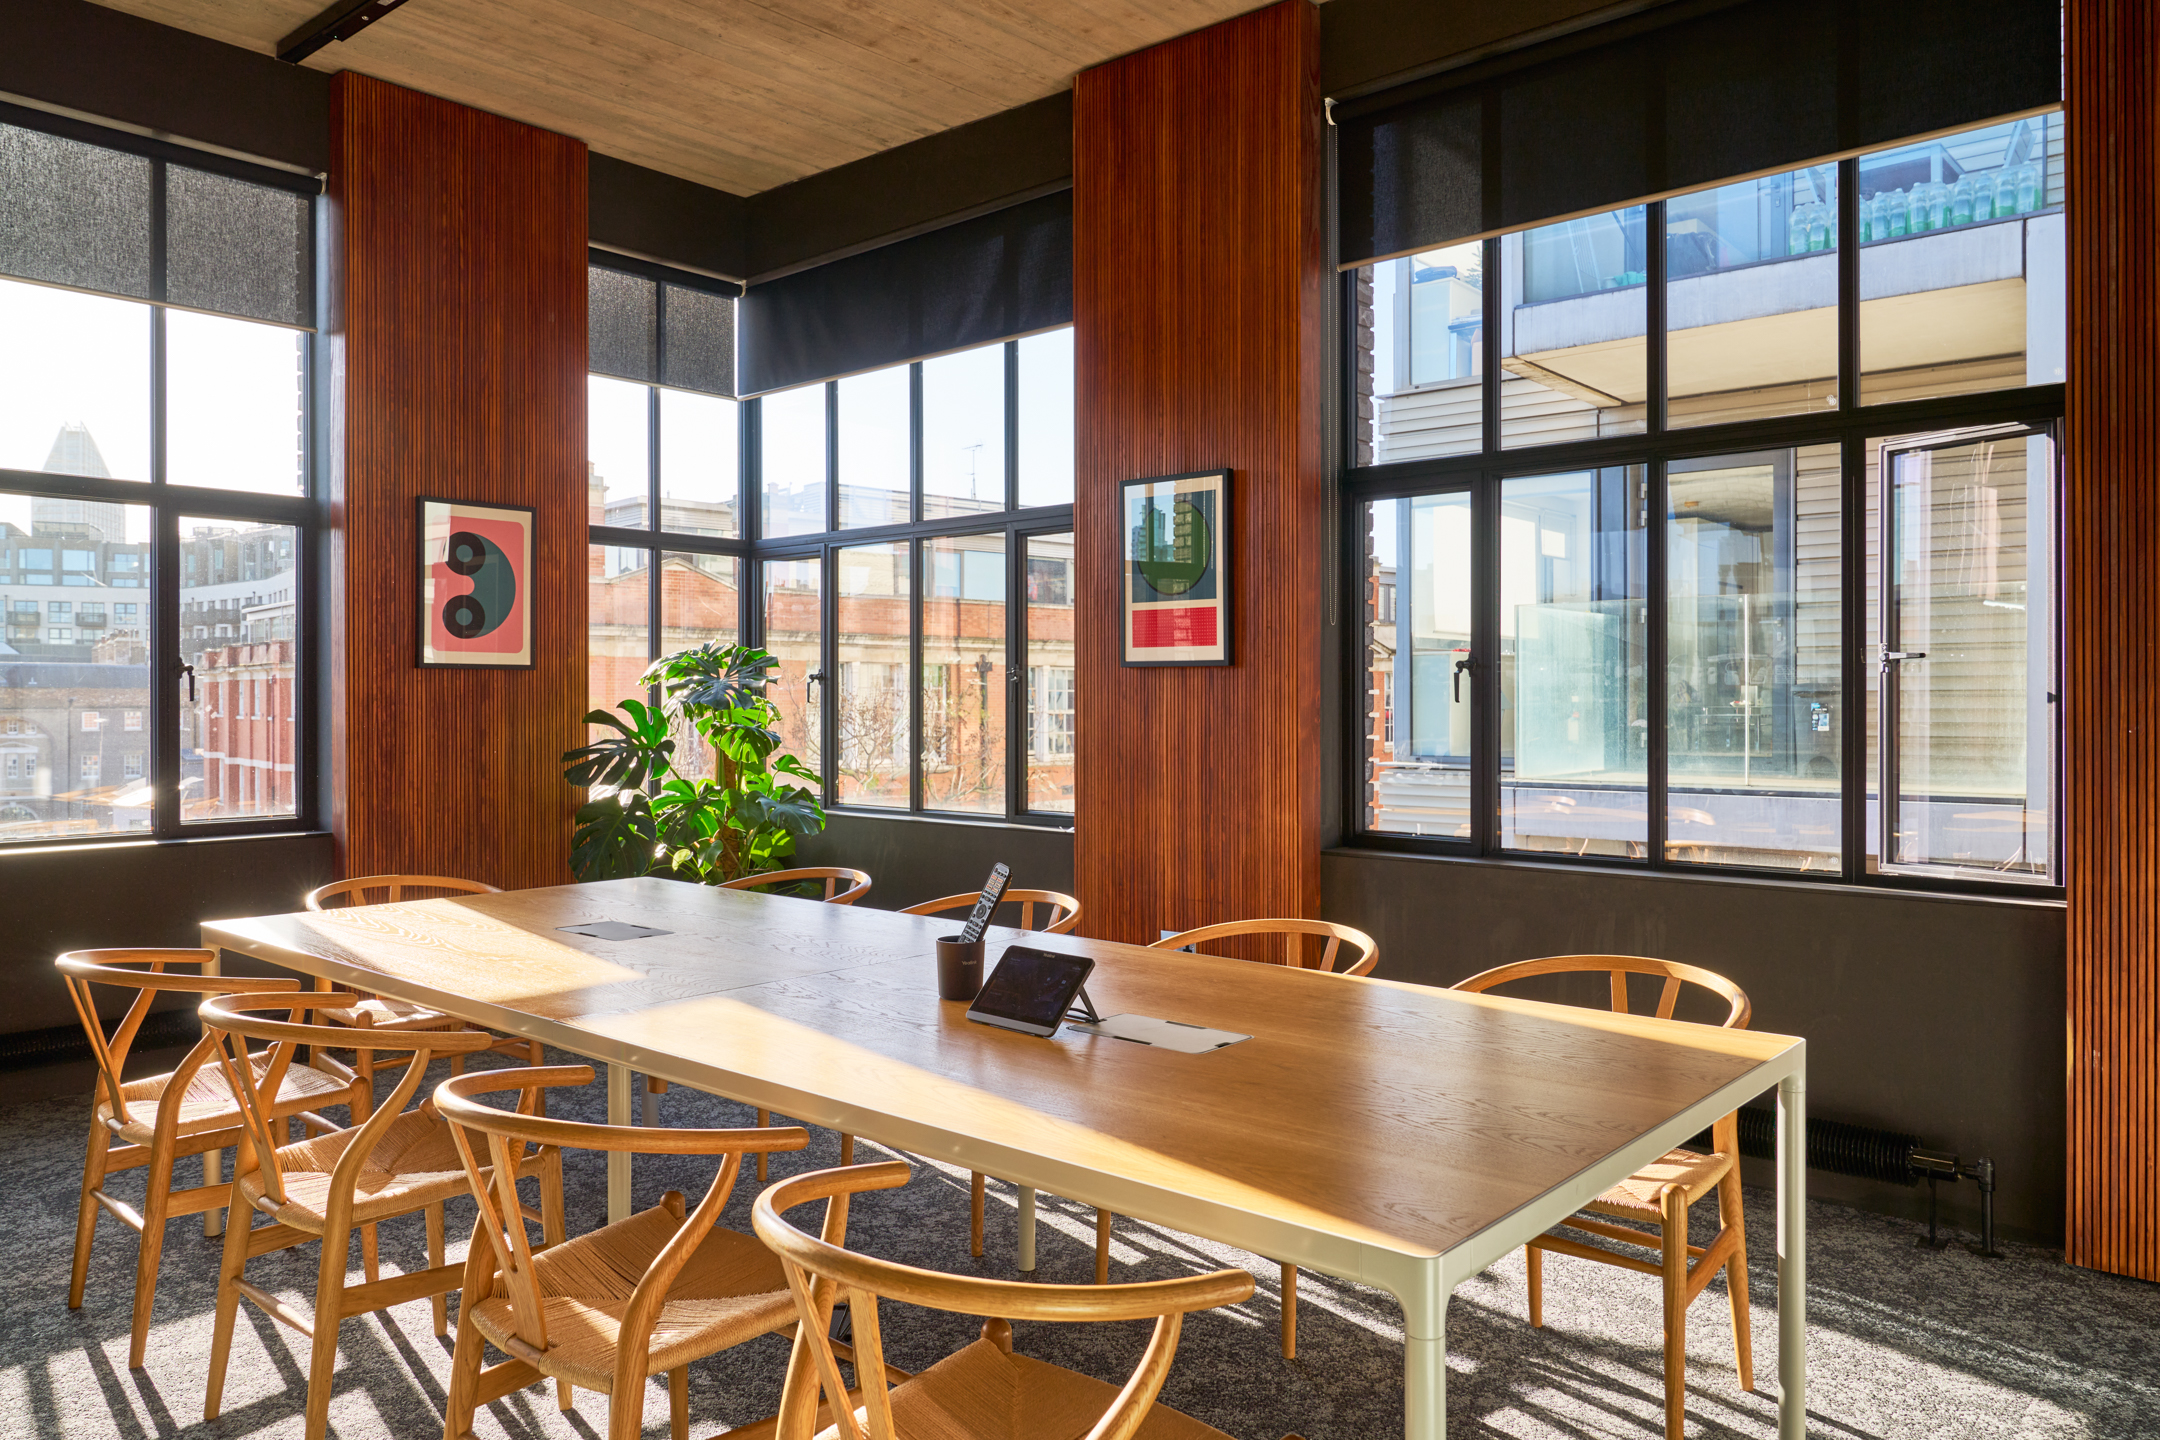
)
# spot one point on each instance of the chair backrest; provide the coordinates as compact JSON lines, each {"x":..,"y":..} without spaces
{"x":1295,"y":949}
{"x":81,"y":970}
{"x":507,"y":1256}
{"x":1619,"y":967}
{"x":857,"y":882}
{"x":230,"y":1021}
{"x":1064,"y":911}
{"x":360,"y":890}
{"x":822,"y":1272}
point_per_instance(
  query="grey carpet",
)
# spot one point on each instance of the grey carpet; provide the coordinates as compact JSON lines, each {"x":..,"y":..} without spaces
{"x":1903,"y":1342}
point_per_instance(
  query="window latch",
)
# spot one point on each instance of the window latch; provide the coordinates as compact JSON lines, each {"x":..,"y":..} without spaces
{"x":1466,"y":663}
{"x":189,"y":671}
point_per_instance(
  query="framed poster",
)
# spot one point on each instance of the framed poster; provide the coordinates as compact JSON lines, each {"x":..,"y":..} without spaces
{"x":1177,"y":570}
{"x":475,"y":590}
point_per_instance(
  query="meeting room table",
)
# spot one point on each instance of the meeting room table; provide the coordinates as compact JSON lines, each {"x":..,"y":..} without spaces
{"x":1390,"y":1134}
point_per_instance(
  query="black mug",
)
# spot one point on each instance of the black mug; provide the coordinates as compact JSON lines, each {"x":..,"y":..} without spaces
{"x":959,"y":968}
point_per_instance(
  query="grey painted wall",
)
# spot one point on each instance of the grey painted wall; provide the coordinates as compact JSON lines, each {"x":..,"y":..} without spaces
{"x":84,"y":896}
{"x":1937,"y":1015}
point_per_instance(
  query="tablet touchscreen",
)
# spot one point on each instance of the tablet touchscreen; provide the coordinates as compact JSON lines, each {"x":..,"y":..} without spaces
{"x":1030,"y":990}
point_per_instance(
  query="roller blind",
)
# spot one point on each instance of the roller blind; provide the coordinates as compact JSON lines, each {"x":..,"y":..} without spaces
{"x":1639,"y":108}
{"x":999,"y":275}
{"x":96,"y":217}
{"x":659,"y":331}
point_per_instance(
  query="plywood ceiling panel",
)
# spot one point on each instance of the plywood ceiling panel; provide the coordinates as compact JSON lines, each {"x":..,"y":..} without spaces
{"x":730,"y":93}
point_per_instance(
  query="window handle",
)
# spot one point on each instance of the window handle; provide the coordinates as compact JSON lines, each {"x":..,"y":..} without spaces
{"x":1466,"y":663}
{"x":189,"y":671}
{"x":1892,"y":657}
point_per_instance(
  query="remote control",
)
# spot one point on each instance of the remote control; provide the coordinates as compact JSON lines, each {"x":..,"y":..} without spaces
{"x":993,"y":891}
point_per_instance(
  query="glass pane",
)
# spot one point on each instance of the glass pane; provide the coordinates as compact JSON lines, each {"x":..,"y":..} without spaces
{"x":1046,"y":418}
{"x":963,"y":701}
{"x":1962,"y":270}
{"x":618,"y":626}
{"x":794,"y":630}
{"x":1574,"y":314}
{"x":873,"y":724}
{"x":618,"y":447}
{"x":1751,"y":299}
{"x":700,"y":451}
{"x":1574,"y":746}
{"x":1419,"y":698}
{"x":1967,"y":651}
{"x":874,"y":461}
{"x":699,"y":605}
{"x":235,"y":413}
{"x":791,"y":461}
{"x":74,"y":383}
{"x":1753,"y":705}
{"x":963,"y":433}
{"x":1418,"y":356}
{"x":75,"y":750}
{"x":1049,"y":669}
{"x":238,"y":623}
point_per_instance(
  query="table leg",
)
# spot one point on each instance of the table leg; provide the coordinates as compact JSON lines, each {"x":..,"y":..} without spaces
{"x":1027,"y":1229}
{"x":1792,"y":1257}
{"x":618,"y":1161}
{"x":652,"y":1107}
{"x":1425,"y":1377}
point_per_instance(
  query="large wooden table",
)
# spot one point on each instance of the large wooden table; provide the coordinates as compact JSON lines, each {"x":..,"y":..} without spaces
{"x":1391,"y":1134}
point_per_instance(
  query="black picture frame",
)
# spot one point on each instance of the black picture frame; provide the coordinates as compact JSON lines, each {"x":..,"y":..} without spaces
{"x":1209,"y":571}
{"x":428,"y":653}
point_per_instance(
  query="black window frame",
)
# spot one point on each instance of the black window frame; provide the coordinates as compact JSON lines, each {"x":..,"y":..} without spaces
{"x":1852,"y":425}
{"x":169,"y":675}
{"x":752,"y":548}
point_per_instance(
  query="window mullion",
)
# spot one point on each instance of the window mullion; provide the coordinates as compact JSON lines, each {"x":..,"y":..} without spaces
{"x":1017,"y":738}
{"x":167,"y":685}
{"x":916,"y":678}
{"x":1852,"y":673}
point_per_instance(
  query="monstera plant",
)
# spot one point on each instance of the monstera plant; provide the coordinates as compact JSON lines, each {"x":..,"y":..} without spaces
{"x":651,"y":813}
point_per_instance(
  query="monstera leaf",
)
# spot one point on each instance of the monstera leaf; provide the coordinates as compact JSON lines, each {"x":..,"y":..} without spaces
{"x":617,"y":838}
{"x":625,"y":761}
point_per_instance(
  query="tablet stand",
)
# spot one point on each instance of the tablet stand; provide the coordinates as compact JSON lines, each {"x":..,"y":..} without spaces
{"x":1084,"y":1012}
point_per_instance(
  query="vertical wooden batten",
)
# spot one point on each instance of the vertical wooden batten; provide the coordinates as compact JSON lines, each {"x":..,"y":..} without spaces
{"x":457,"y":351}
{"x":1199,"y":287}
{"x":2112,"y":535}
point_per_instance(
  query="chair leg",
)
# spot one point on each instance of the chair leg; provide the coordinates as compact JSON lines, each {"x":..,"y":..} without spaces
{"x":1733,"y":1218}
{"x":847,"y":1149}
{"x":228,"y":1305}
{"x":151,"y":1246}
{"x":435,"y":1261}
{"x":329,"y":1315}
{"x":213,"y":1167}
{"x":551,"y":1202}
{"x":975,"y":1212}
{"x":1289,"y":1312}
{"x":764,"y":1118}
{"x":626,"y":1412}
{"x":678,"y":1389}
{"x":1534,"y":1263}
{"x":462,"y":1400}
{"x":1674,"y":1205}
{"x":86,"y":1216}
{"x":1102,"y":1246}
{"x":536,"y":1056}
{"x":370,"y":1262}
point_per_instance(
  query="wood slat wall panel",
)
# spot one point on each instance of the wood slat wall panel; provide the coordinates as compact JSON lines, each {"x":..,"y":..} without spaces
{"x":2112,"y":533}
{"x":462,"y":346}
{"x":1199,"y":280}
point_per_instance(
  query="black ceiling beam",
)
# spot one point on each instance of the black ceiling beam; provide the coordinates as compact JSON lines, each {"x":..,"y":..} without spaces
{"x":341,"y":21}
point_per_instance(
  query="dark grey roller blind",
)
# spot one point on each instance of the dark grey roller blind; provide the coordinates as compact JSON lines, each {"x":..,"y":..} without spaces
{"x":622,"y":324}
{"x":990,"y":278}
{"x":656,"y":332}
{"x":235,"y":248}
{"x":697,"y":349}
{"x":73,"y":213}
{"x":1642,"y":107}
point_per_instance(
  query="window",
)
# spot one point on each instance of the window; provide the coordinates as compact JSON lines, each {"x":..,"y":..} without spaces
{"x":1712,"y":598}
{"x":871,"y":542}
{"x":156,"y":375}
